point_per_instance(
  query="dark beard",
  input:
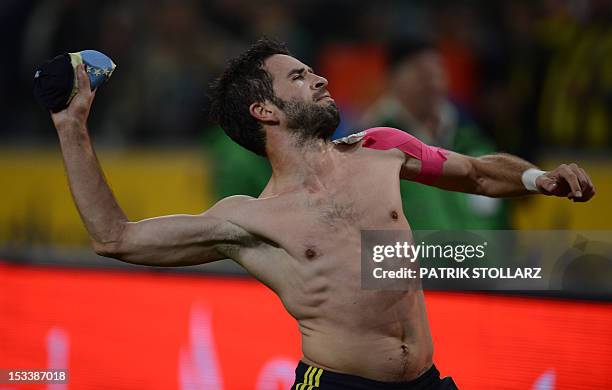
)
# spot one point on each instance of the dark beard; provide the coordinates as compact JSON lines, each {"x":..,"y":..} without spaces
{"x":311,"y":120}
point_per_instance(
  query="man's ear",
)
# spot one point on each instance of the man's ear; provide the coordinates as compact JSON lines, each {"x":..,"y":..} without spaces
{"x":264,"y":112}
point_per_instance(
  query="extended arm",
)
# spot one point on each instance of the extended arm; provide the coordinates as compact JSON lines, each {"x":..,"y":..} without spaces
{"x":501,"y":175}
{"x":165,"y":241}
{"x":498,"y":175}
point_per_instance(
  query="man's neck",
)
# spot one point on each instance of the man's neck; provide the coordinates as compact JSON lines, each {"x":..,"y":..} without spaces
{"x":297,"y":163}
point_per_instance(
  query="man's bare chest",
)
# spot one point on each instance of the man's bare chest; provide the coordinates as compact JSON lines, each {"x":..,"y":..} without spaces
{"x":317,"y":217}
{"x":312,"y":225}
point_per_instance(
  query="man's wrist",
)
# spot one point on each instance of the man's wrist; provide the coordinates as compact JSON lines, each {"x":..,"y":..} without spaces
{"x":71,"y":126}
{"x":529,"y":178}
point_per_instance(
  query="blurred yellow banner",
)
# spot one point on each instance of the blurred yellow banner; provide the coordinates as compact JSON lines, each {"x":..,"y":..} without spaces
{"x":36,"y":206}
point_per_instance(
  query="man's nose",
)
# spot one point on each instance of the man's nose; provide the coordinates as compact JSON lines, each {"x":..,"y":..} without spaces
{"x":320,"y":82}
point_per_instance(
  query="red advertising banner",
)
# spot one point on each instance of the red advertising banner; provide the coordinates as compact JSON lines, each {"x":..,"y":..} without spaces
{"x":132,"y":330}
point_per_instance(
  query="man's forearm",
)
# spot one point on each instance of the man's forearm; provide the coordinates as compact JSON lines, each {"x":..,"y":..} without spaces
{"x":499,"y":175}
{"x":94,"y":199}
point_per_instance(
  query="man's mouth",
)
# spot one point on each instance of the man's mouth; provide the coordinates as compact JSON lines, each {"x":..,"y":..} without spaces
{"x":325,"y":96}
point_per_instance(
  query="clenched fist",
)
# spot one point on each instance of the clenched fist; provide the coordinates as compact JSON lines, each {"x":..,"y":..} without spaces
{"x":567,"y":180}
{"x":76,"y":114}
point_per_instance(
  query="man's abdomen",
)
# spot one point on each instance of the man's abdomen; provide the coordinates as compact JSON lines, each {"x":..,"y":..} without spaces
{"x":382,"y":336}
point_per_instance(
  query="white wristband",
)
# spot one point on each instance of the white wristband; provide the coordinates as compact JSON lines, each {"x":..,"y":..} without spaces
{"x":529,"y":179}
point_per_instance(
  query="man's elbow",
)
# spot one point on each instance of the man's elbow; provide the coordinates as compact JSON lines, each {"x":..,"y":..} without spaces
{"x":475,"y":181}
{"x":481,"y":182}
{"x":482,"y":186}
{"x":113,"y":243}
{"x":109,"y":249}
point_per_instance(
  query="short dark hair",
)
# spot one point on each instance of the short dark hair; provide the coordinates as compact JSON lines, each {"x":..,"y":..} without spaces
{"x":244,"y":82}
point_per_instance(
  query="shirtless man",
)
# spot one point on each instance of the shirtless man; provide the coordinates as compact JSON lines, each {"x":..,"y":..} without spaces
{"x":301,"y":237}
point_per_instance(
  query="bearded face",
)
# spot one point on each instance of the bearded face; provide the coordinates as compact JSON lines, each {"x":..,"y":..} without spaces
{"x":311,"y":120}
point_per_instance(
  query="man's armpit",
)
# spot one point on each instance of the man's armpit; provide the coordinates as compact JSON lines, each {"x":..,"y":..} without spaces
{"x":235,"y":238}
{"x":411,"y":167}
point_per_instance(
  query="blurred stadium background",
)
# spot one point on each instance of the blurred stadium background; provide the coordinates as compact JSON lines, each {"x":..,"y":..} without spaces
{"x":532,"y":78}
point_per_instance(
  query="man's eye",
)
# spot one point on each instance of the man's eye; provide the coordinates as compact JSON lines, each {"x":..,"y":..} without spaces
{"x":298,"y":77}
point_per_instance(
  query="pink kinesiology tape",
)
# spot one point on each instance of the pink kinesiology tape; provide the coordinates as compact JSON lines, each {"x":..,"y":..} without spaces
{"x":432,"y":158}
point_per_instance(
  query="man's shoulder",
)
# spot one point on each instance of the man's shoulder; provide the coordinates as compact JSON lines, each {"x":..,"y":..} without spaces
{"x":358,"y":152}
{"x":389,"y":155}
{"x":383,"y":140}
{"x":229,"y":205}
{"x":235,"y":200}
{"x":246,"y":208}
{"x":238,"y":214}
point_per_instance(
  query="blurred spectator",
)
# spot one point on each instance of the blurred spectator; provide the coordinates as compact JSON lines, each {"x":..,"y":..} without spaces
{"x":458,"y":32}
{"x":417,"y":103}
{"x":512,"y":67}
{"x":576,"y":105}
{"x":235,"y":170}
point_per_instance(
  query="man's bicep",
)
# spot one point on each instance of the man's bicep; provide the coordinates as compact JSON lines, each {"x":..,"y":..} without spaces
{"x":177,"y":240}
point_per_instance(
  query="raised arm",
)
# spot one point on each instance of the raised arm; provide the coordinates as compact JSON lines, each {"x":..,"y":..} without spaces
{"x":505,"y":175}
{"x":164,"y":241}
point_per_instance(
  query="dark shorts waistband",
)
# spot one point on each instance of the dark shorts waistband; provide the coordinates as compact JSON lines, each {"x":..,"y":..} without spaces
{"x":312,"y":378}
